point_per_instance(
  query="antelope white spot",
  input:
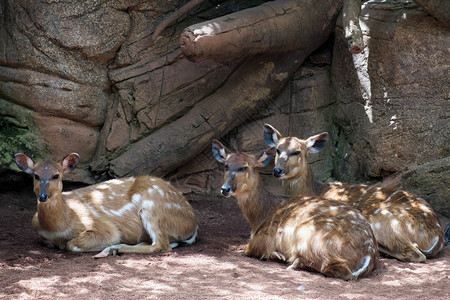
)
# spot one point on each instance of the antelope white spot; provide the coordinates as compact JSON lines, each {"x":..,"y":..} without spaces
{"x":102,"y":186}
{"x":173,"y":205}
{"x":385,"y":212}
{"x":289,"y":230}
{"x":93,"y":211}
{"x":394,"y":225}
{"x":377,"y":225}
{"x":148,"y":226}
{"x":148,"y":204}
{"x":392,"y":195}
{"x":96,"y":196}
{"x":76,"y":249}
{"x":410,"y":228}
{"x":82,"y":212}
{"x":161,"y":192}
{"x":136,"y":198}
{"x":153,"y":179}
{"x":425,"y":214}
{"x":302,"y":247}
{"x":124,"y":209}
{"x":115,"y":181}
{"x":424,"y":208}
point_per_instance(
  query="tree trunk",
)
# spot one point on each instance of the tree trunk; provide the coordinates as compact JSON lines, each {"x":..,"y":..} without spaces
{"x":276,"y":26}
{"x":352,"y":30}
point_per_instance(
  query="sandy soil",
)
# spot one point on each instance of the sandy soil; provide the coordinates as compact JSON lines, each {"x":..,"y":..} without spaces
{"x":214,"y":267}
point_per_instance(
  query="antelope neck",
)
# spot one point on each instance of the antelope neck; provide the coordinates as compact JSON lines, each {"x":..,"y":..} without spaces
{"x":257,"y":204}
{"x":303,"y":184}
{"x":51,"y":212}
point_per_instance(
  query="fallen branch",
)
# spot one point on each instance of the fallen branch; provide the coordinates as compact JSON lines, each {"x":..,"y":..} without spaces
{"x":173,"y":17}
{"x":275,"y":26}
{"x":352,"y":31}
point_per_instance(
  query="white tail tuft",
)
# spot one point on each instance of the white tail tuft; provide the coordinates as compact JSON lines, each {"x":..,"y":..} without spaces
{"x":364,"y":264}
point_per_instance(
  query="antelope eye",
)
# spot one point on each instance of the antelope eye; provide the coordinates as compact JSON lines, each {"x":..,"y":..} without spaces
{"x":278,"y":151}
{"x":243,"y":169}
{"x":226,"y":168}
{"x":295,"y":153}
{"x":55,"y":177}
{"x":36,"y":176}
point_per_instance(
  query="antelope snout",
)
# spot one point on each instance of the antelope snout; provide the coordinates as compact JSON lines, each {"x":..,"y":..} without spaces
{"x":43,"y":197}
{"x":226,"y":191}
{"x":277,"y":172}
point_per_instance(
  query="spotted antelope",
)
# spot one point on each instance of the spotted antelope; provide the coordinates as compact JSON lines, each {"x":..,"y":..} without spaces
{"x":135,"y":215}
{"x":404,"y":225}
{"x":307,"y":232}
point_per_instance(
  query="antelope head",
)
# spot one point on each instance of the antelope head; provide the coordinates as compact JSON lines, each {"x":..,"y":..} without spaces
{"x":240,"y":175}
{"x":47,"y":175}
{"x":292,"y":153}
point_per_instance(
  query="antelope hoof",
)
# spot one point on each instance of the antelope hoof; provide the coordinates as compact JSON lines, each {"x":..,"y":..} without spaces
{"x":106,"y":252}
{"x":294,"y":264}
{"x":279,"y":255}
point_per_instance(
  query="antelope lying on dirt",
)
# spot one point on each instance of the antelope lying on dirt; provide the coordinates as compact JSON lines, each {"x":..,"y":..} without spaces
{"x":307,"y":232}
{"x":404,"y":225}
{"x":133,"y":211}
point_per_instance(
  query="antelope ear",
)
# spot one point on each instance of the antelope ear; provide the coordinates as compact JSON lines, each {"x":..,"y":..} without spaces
{"x":271,"y":135}
{"x":70,"y":162}
{"x":317,"y":142}
{"x":25,"y":163}
{"x":266,"y":158}
{"x":218,"y":151}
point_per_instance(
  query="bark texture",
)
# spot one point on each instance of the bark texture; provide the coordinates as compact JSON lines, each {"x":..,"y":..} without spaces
{"x":275,"y":26}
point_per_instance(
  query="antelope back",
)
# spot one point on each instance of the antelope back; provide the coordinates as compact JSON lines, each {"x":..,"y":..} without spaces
{"x":405,"y":225}
{"x":324,"y":235}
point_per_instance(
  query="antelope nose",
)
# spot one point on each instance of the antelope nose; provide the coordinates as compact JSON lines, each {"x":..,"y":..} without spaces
{"x":277,"y":172}
{"x":226,"y":191}
{"x":43,"y":197}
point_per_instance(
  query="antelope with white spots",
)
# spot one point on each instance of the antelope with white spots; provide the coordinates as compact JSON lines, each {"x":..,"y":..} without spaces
{"x":130,"y":215}
{"x":306,"y":232}
{"x":404,"y":225}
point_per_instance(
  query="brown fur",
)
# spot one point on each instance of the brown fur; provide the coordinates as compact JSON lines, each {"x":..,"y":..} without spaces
{"x":307,"y":232}
{"x":101,"y":216}
{"x":404,"y":225}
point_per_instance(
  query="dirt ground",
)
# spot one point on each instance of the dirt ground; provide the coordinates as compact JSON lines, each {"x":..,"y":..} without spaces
{"x":214,"y":267}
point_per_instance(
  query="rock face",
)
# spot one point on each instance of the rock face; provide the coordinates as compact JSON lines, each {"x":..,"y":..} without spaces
{"x":393,"y":105}
{"x":87,"y":77}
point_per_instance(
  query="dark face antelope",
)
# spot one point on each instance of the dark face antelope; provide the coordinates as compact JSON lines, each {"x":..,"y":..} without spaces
{"x":99,"y":217}
{"x":307,"y":232}
{"x":404,"y":225}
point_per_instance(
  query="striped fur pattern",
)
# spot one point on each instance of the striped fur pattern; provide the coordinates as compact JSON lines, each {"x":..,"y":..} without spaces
{"x":404,"y":225}
{"x":140,"y":215}
{"x":306,"y":232}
